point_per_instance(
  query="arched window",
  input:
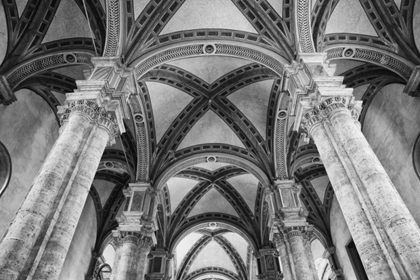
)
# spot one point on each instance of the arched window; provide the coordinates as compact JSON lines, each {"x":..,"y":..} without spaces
{"x":5,"y":168}
{"x":416,"y":156}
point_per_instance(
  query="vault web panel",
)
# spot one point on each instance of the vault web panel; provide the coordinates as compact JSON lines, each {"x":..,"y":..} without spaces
{"x":167,"y":103}
{"x":178,"y":188}
{"x":104,"y":189}
{"x":20,"y":4}
{"x":238,"y":243}
{"x":277,"y":6}
{"x":200,"y":14}
{"x":210,"y":129}
{"x":213,"y":201}
{"x":349,"y":17}
{"x":252,"y":100}
{"x":247,"y":186}
{"x":139,"y":6}
{"x":212,"y":255}
{"x":185,"y":245}
{"x":320,"y":185}
{"x":210,"y":68}
{"x":68,"y":22}
{"x":211,"y":165}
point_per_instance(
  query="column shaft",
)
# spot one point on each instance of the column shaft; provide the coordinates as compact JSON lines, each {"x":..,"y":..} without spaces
{"x":55,"y":252}
{"x":308,"y":250}
{"x":373,"y":259}
{"x":393,"y":214}
{"x":143,"y":261}
{"x":285,"y":261}
{"x":30,"y":225}
{"x":126,"y":268}
{"x":300,"y":258}
{"x":131,"y":260}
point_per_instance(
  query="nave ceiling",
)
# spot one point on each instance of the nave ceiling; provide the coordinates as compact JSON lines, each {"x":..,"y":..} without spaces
{"x":205,"y":125}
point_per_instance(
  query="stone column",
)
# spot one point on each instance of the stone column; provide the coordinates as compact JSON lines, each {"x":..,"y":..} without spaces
{"x":28,"y":235}
{"x":51,"y":262}
{"x":373,"y":259}
{"x":280,"y":242}
{"x":29,"y":228}
{"x":143,"y":260}
{"x":298,"y":251}
{"x":293,"y":225}
{"x":137,"y":218}
{"x":308,"y":237}
{"x":391,"y":211}
{"x":128,"y":253}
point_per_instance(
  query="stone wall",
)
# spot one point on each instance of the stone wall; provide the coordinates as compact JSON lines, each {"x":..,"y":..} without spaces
{"x":28,"y":129}
{"x":391,"y":127}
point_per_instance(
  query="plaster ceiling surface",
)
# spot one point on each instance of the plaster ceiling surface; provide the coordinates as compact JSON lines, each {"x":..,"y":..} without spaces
{"x":416,"y":24}
{"x":167,"y":103}
{"x":104,"y":188}
{"x":185,"y":245}
{"x":247,"y":186}
{"x":109,"y":254}
{"x":317,"y":249}
{"x":398,"y":3}
{"x":359,"y":91}
{"x":277,"y":5}
{"x":239,"y":243}
{"x":349,"y":17}
{"x":3,"y":33}
{"x":200,"y":14}
{"x":69,"y":22}
{"x":210,"y":128}
{"x":139,"y":6}
{"x":178,"y":188}
{"x":320,"y":185}
{"x":343,"y":65}
{"x":75,"y":71}
{"x":20,"y":4}
{"x":252,"y":100}
{"x":210,"y":68}
{"x":212,"y":255}
{"x":213,"y":201}
{"x":212,"y":166}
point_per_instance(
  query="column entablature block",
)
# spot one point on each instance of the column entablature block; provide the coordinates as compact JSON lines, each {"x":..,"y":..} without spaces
{"x":310,"y":81}
{"x":109,"y":86}
{"x":140,"y":210}
{"x":290,"y":208}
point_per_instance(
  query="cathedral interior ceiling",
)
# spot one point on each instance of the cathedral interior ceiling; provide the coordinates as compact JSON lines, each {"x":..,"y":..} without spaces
{"x":205,"y":103}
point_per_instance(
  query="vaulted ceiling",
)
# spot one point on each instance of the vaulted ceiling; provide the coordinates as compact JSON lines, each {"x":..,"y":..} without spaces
{"x":210,"y":136}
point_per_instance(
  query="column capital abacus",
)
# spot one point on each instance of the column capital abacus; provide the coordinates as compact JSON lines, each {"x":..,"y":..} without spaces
{"x":295,"y":231}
